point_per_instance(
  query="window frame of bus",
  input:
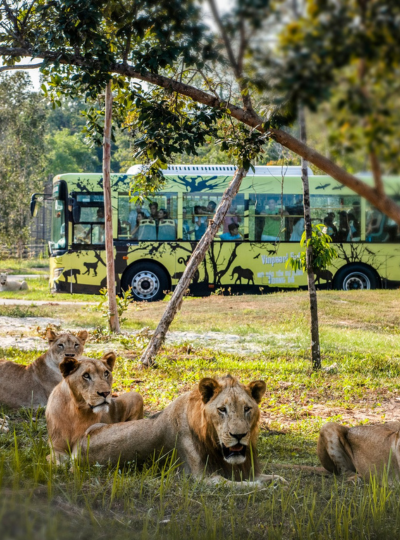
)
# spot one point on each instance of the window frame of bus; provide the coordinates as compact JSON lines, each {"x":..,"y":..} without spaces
{"x":90,"y":204}
{"x":240,"y":199}
{"x":172,"y":199}
{"x":60,"y":193}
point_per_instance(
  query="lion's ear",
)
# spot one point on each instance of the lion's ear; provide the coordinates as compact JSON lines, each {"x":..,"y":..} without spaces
{"x":208,"y":388}
{"x":50,"y":335}
{"x":83,"y":335}
{"x":109,"y":359}
{"x":68,"y":366}
{"x":257,"y":390}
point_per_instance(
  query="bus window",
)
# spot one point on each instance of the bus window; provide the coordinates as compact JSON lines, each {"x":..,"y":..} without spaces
{"x":340,"y":215}
{"x":379,"y":228}
{"x":199,"y":208}
{"x":152,"y":219}
{"x":58,"y":239}
{"x":82,"y":234}
{"x":233,"y":224}
{"x":273,"y":218}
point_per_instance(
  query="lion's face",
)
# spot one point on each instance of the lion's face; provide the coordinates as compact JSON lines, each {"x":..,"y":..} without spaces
{"x":90,"y":381}
{"x":232,"y":409}
{"x":63,"y":345}
{"x":3,"y":279}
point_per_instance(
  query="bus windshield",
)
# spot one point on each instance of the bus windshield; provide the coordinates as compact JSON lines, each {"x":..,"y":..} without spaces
{"x":58,"y":239}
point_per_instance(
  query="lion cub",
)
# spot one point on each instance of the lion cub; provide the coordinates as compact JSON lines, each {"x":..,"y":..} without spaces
{"x":83,"y":399}
{"x":30,"y":386}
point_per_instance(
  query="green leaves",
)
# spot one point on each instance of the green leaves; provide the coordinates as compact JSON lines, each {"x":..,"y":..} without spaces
{"x":323,"y":253}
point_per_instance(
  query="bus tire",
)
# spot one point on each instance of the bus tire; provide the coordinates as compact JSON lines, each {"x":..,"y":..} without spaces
{"x":148,"y":282}
{"x":356,"y":277}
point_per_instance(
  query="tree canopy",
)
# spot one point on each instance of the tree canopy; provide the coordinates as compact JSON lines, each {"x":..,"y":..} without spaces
{"x":252,"y":72}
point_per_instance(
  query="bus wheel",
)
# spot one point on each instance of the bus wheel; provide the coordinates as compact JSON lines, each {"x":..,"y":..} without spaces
{"x":356,"y":277}
{"x":147,"y":281}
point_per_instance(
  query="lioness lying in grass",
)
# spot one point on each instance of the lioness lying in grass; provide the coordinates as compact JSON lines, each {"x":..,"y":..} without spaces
{"x":82,"y":399}
{"x":363,"y":450}
{"x":30,"y":386}
{"x":214,"y":429}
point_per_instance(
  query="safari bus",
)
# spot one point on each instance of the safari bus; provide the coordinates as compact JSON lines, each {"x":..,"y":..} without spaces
{"x":154,"y":238}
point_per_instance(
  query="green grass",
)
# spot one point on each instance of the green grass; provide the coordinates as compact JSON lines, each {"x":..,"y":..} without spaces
{"x":359,"y":335}
{"x":39,"y":290}
{"x":37,"y":265}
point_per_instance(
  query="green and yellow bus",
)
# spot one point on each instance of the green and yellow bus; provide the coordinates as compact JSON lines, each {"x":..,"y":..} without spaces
{"x":153,"y":240}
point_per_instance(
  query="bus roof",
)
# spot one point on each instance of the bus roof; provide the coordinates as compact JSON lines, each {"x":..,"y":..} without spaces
{"x":192,"y":181}
{"x":223,"y":170}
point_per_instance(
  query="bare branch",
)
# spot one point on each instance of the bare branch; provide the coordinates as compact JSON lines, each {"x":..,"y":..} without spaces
{"x":22,"y":66}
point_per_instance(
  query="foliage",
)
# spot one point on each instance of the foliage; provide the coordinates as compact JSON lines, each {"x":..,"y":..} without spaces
{"x":67,"y":152}
{"x":22,"y":127}
{"x":352,"y":80}
{"x":323,"y":254}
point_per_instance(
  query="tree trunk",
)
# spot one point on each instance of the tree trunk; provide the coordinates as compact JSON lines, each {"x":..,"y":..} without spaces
{"x":191,"y":267}
{"x":315,"y":350}
{"x":109,"y":243}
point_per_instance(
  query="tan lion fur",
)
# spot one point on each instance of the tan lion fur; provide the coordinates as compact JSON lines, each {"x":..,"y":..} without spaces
{"x":198,"y":424}
{"x":8,"y":285}
{"x":83,"y":399}
{"x":30,"y":386}
{"x":364,"y":450}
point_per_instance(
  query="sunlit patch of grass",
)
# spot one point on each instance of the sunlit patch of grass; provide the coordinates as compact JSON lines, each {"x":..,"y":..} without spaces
{"x":34,"y":265}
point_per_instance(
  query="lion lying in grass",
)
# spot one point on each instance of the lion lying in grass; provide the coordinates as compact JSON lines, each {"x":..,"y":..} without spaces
{"x":30,"y":386}
{"x":364,"y":450}
{"x":7,"y":285}
{"x":82,"y":399}
{"x":214,"y":429}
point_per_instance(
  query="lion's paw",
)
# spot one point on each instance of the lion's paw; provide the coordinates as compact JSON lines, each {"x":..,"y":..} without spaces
{"x":4,"y":424}
{"x":263,"y":478}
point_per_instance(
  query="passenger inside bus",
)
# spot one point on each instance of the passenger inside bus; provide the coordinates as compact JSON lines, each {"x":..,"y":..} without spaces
{"x":200,"y":220}
{"x":139,"y":217}
{"x":272,"y":223}
{"x":187,"y":229}
{"x":232,"y":217}
{"x":329,"y":225}
{"x":232,"y":234}
{"x":153,"y":210}
{"x":133,"y":215}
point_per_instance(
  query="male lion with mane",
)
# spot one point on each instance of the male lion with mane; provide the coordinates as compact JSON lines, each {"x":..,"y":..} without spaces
{"x":30,"y":386}
{"x":84,"y":398}
{"x":214,"y":429}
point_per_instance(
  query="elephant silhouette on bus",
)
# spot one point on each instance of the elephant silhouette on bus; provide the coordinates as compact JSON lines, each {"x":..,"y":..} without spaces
{"x":244,"y":273}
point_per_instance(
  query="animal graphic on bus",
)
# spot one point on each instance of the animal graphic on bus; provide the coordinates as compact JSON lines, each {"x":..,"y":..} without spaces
{"x":72,"y":273}
{"x":93,"y":265}
{"x":244,"y":273}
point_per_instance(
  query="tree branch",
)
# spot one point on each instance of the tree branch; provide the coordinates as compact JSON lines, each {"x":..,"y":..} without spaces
{"x":21,"y":66}
{"x":384,"y":203}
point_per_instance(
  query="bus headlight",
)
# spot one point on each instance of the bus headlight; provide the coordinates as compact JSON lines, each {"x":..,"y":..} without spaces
{"x":57,"y":273}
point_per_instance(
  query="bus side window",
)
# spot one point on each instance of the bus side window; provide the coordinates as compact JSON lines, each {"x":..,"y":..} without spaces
{"x":198,"y":209}
{"x":339,"y":215}
{"x":269,"y":219}
{"x":379,"y":228}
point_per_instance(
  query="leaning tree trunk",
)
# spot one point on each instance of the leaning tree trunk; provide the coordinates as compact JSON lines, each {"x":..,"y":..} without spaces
{"x":191,"y":267}
{"x":315,"y":350}
{"x":109,"y":243}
